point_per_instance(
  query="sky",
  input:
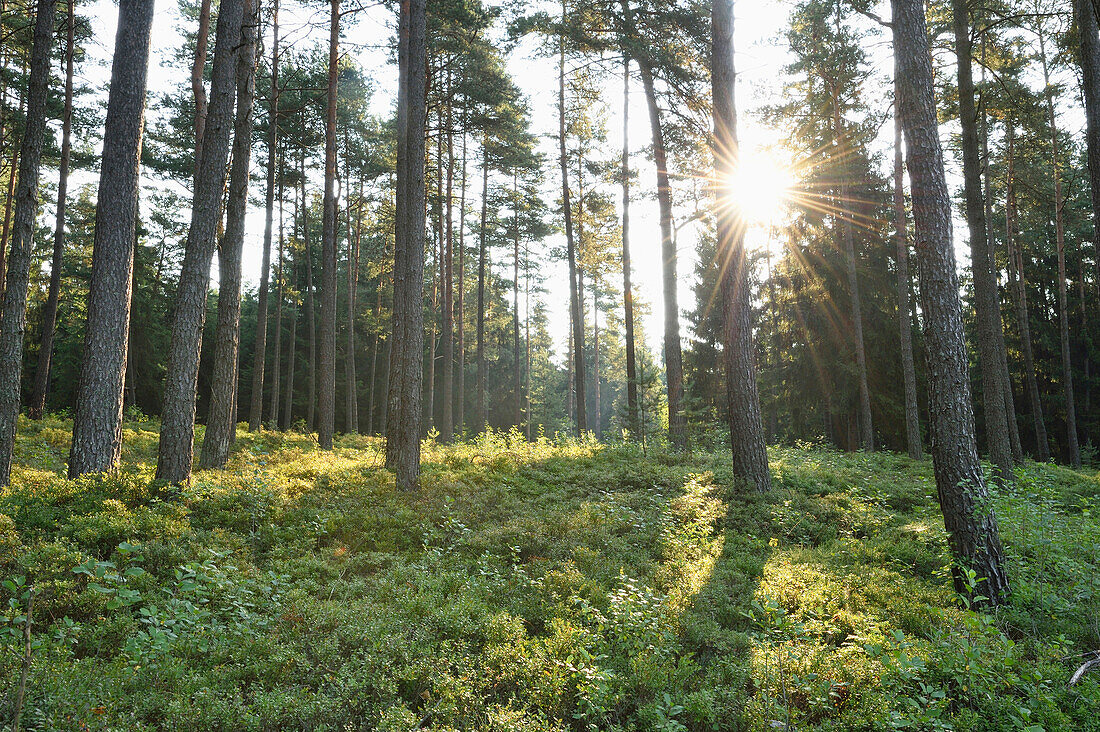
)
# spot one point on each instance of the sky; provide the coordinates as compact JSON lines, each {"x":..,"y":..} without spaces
{"x":759,"y":57}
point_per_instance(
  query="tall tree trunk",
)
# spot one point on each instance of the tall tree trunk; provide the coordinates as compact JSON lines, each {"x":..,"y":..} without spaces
{"x":460,"y":300}
{"x":351,"y":386}
{"x":287,"y":419}
{"x":482,"y":257}
{"x":198,"y":87}
{"x":986,"y":307}
{"x":632,"y":422}
{"x":14,"y":325}
{"x":446,"y":424}
{"x":9,"y":200}
{"x":1073,"y":450}
{"x":674,"y":368}
{"x":177,"y":429}
{"x":311,"y":313}
{"x":1002,"y":351}
{"x":750,"y":458}
{"x":576,"y":321}
{"x":97,"y":421}
{"x":374,"y":344}
{"x":437,"y":281}
{"x":517,"y":418}
{"x":905,"y":312}
{"x":277,"y":350}
{"x":407,"y":346}
{"x":256,"y":408}
{"x":327,"y":380}
{"x":221,"y":425}
{"x":527,"y":338}
{"x":1089,"y":58}
{"x":970,"y":522}
{"x":49,"y":315}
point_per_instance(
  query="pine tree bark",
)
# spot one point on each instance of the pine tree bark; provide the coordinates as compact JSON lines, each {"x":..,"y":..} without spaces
{"x":311,"y":311}
{"x":97,"y":420}
{"x":460,"y":299}
{"x":326,"y":426}
{"x":480,"y":411}
{"x":970,"y":522}
{"x":351,"y":383}
{"x":576,"y":321}
{"x":49,"y":313}
{"x":14,"y":324}
{"x":632,"y":420}
{"x":446,"y":423}
{"x":287,"y":418}
{"x":986,"y":306}
{"x":1073,"y":451}
{"x":198,"y":87}
{"x":749,"y":454}
{"x":407,"y":344}
{"x":177,"y":429}
{"x":221,"y":425}
{"x":905,"y":313}
{"x":1089,"y":59}
{"x":517,"y":412}
{"x":674,"y":368}
{"x":277,"y":346}
{"x":256,"y":407}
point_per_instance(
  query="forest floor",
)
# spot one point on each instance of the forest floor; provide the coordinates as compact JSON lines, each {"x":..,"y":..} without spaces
{"x":545,"y":586}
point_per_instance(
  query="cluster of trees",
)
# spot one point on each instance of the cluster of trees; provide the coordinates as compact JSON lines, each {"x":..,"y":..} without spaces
{"x":402,"y":287}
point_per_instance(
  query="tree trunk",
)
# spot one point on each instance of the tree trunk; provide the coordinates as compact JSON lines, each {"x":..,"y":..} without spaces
{"x":277,"y":350}
{"x":750,"y":458}
{"x":351,"y":386}
{"x":437,"y":281}
{"x":177,"y":429}
{"x":97,"y":421}
{"x":576,"y":322}
{"x":407,"y":347}
{"x":517,"y":418}
{"x":49,"y":315}
{"x":527,"y":338}
{"x":287,"y":419}
{"x":446,"y":423}
{"x":221,"y":425}
{"x":905,"y":312}
{"x":311,"y":314}
{"x":14,"y":323}
{"x":970,"y":522}
{"x":1074,"y":452}
{"x":986,"y":307}
{"x":674,"y":369}
{"x":460,"y":303}
{"x":482,"y":257}
{"x":256,"y":408}
{"x":198,"y":87}
{"x":632,"y":421}
{"x":327,"y":382}
{"x":1089,"y":56}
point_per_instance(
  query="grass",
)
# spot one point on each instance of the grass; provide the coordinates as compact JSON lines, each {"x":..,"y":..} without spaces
{"x":556,"y":585}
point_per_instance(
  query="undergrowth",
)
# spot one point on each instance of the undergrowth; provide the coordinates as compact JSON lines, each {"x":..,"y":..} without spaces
{"x":554,"y":585}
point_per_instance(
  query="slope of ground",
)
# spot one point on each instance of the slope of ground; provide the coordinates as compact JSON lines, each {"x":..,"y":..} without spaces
{"x":546,"y":586}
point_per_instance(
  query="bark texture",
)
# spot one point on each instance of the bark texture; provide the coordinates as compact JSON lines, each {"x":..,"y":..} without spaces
{"x":326,"y":382}
{"x":406,"y":373}
{"x":177,"y":429}
{"x":97,"y":421}
{"x":14,"y":325}
{"x":970,"y":522}
{"x":221,"y":426}
{"x":633,"y":422}
{"x":750,"y":458}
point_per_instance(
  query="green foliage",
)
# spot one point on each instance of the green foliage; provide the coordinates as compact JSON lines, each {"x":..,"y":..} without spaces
{"x":535,"y":586}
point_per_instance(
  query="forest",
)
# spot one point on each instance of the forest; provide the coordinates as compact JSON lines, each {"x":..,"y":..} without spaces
{"x":552,"y":366}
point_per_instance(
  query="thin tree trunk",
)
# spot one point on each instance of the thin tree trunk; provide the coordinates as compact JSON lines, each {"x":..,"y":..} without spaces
{"x":482,"y":257}
{"x":437,"y":281}
{"x":97,"y":421}
{"x":460,"y":304}
{"x":49,"y":315}
{"x":750,"y":458}
{"x":674,"y":368}
{"x":446,"y":425}
{"x":287,"y":419}
{"x":527,"y":336}
{"x":277,"y":350}
{"x":517,"y":418}
{"x":1089,"y":57}
{"x":327,"y":382}
{"x":576,"y":322}
{"x":177,"y":429}
{"x":1074,"y":452}
{"x":351,"y":386}
{"x":256,"y":408}
{"x":374,"y":345}
{"x":905,"y":312}
{"x":198,"y":87}
{"x":986,"y":306}
{"x":14,"y":325}
{"x":221,"y":428}
{"x":628,"y":291}
{"x":407,"y":347}
{"x":9,"y":200}
{"x":311,"y":313}
{"x":970,"y":522}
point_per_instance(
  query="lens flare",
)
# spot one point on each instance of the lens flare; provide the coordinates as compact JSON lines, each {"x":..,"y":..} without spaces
{"x":761,"y":188}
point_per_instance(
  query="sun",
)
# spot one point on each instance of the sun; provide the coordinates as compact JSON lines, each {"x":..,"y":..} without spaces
{"x":762,"y":186}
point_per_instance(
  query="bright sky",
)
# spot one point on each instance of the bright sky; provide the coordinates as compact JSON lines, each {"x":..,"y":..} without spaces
{"x":760,"y":54}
